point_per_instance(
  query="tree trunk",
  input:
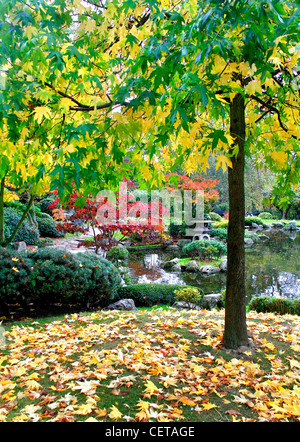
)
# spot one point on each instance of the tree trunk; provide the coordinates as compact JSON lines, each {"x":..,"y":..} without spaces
{"x":235,"y":332}
{"x":25,"y":213}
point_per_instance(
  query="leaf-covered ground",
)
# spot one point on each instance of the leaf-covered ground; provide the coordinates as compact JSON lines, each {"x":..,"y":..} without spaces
{"x":157,"y":365}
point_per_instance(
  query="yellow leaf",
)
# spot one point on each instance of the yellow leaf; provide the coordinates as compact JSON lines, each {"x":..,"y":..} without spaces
{"x":91,"y":419}
{"x":101,"y":413}
{"x":146,"y":173}
{"x":208,"y":406}
{"x":115,"y":414}
{"x":224,"y":162}
{"x":279,"y":157}
{"x":42,"y":112}
{"x":150,"y":388}
{"x":15,"y":269}
{"x":187,"y":401}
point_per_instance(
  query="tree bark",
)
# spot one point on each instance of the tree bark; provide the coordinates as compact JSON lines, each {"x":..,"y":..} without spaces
{"x":235,"y":332}
{"x":25,"y":213}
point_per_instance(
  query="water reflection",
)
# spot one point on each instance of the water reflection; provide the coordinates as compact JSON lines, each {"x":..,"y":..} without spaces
{"x":272,"y":268}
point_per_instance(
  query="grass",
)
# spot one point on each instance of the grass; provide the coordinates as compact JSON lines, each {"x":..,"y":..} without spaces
{"x":155,"y":364}
{"x":213,"y":262}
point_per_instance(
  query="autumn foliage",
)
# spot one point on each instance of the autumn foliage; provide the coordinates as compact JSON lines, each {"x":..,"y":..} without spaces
{"x":184,"y":182}
{"x":85,"y":216}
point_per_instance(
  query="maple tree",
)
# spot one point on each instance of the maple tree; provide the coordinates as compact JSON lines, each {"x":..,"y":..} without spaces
{"x":222,"y":80}
{"x":93,"y":91}
{"x":208,"y":187}
{"x":122,"y":214}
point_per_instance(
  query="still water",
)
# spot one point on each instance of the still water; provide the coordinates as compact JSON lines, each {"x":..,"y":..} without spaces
{"x":272,"y":268}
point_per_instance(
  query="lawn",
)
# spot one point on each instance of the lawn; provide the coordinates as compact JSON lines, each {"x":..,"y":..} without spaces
{"x":157,"y":365}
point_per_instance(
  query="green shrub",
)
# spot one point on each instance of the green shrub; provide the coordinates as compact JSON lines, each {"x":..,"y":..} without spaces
{"x":177,"y":231}
{"x":117,"y":252}
{"x":220,"y":224}
{"x":253,"y":219}
{"x":27,"y":232}
{"x":265,"y":215}
{"x":147,"y":295}
{"x":220,"y":233}
{"x":190,"y":295}
{"x":282,"y":306}
{"x":47,"y":226}
{"x":46,"y":276}
{"x":45,"y":202}
{"x":215,"y":216}
{"x":205,"y":249}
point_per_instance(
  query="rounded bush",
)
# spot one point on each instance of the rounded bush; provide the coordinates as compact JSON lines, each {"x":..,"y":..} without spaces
{"x":253,"y":219}
{"x":215,"y":216}
{"x":46,"y":276}
{"x":265,"y":215}
{"x":117,"y":252}
{"x":190,"y":295}
{"x":27,"y":232}
{"x":219,"y":233}
{"x":205,"y":249}
{"x":47,"y":226}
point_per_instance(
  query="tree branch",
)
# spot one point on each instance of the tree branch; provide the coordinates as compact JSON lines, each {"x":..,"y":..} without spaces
{"x":271,"y":108}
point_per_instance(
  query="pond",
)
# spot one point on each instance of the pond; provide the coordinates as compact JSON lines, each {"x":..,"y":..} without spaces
{"x":272,"y":268}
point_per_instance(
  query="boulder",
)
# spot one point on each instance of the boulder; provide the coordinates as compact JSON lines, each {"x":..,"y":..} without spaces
{"x":176,"y":268}
{"x":279,"y":225}
{"x":212,"y":300}
{"x":292,"y":225}
{"x":170,"y":264}
{"x":173,"y":248}
{"x":248,"y":241}
{"x":181,"y":305}
{"x":262,"y":237}
{"x":210,"y":270}
{"x":223,"y":265}
{"x":20,"y":245}
{"x":192,"y":266}
{"x":123,"y":304}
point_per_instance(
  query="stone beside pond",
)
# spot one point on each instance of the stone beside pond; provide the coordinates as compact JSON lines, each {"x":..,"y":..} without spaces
{"x":193,"y":266}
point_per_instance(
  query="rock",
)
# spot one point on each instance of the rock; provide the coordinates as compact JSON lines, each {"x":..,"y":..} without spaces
{"x":170,"y":264}
{"x":212,"y":300}
{"x":20,"y":245}
{"x":181,"y":305}
{"x":291,"y":226}
{"x":172,"y":248}
{"x":254,"y":226}
{"x":262,"y":237}
{"x":176,"y":268}
{"x":248,"y":241}
{"x":210,"y":270}
{"x":253,"y":236}
{"x":192,"y":266}
{"x":123,"y":304}
{"x":223,"y":265}
{"x":279,"y":225}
